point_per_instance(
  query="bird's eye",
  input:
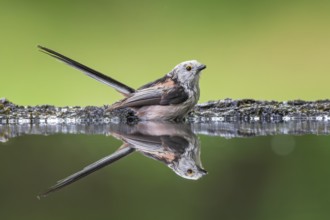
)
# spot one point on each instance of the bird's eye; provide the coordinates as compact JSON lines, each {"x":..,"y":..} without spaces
{"x":188,"y":68}
{"x":190,"y":172}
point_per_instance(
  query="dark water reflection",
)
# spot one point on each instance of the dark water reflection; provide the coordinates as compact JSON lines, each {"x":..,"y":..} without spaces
{"x":173,"y":144}
{"x":258,"y":171}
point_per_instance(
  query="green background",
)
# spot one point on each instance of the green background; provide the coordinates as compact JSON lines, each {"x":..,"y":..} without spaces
{"x":253,"y":49}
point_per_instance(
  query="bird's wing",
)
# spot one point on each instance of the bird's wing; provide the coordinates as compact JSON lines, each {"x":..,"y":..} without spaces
{"x":146,"y":142}
{"x":156,"y":96}
{"x":122,"y":88}
{"x":176,"y":143}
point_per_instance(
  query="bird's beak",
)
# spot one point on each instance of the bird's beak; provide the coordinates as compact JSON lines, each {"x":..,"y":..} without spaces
{"x":201,"y":67}
{"x":204,"y":172}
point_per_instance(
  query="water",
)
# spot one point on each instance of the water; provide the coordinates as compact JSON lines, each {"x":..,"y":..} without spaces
{"x":254,"y":171}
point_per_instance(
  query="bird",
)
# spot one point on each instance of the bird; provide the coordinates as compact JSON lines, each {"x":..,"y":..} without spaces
{"x":169,"y":98}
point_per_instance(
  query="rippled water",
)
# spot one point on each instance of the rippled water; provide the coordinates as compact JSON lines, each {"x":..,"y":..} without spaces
{"x":230,"y":171}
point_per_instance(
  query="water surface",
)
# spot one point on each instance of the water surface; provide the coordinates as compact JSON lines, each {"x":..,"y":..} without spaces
{"x":269,"y":171}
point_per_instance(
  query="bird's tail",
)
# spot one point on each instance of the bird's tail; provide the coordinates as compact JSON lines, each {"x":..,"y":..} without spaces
{"x":120,"y":87}
{"x":120,"y":153}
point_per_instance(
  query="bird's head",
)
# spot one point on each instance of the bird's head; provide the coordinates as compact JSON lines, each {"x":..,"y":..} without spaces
{"x":188,"y":169}
{"x":187,"y":72}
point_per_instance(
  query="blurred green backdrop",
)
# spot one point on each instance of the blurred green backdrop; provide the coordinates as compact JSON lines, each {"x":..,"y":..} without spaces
{"x":253,"y":49}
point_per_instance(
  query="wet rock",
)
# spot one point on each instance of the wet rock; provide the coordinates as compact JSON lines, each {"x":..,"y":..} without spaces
{"x":248,"y":110}
{"x":227,"y":110}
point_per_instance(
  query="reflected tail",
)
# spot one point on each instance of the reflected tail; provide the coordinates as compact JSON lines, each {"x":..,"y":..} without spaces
{"x":122,"y":152}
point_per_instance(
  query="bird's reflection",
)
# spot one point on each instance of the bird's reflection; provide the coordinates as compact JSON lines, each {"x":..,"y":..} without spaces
{"x":171,"y":143}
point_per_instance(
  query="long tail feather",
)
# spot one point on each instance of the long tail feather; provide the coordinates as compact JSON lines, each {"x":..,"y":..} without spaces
{"x":122,"y":88}
{"x":122,"y":152}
